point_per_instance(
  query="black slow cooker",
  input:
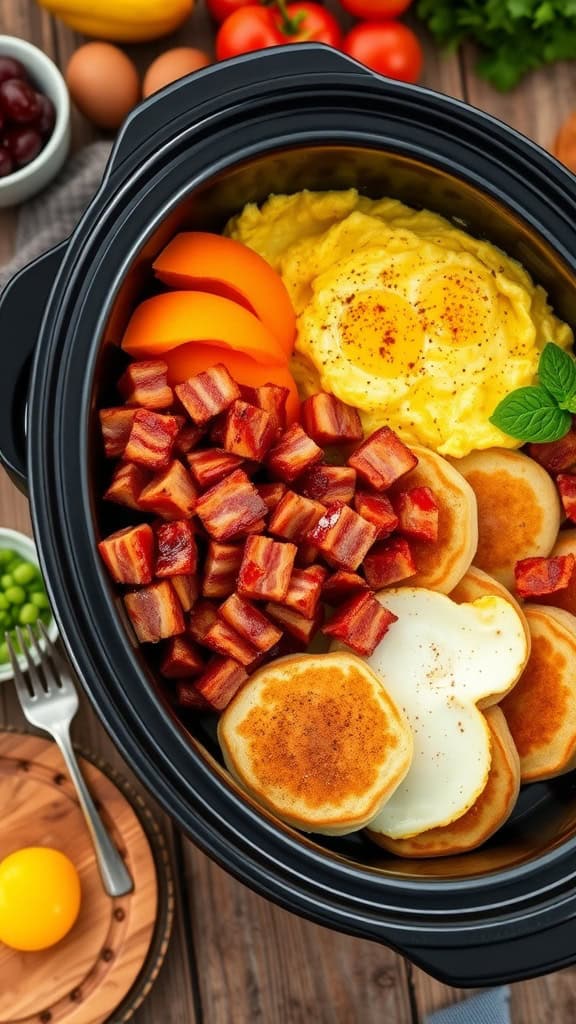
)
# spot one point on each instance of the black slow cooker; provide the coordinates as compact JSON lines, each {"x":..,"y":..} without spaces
{"x":278,"y":121}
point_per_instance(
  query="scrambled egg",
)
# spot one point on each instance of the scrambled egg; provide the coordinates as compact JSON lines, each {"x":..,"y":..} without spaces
{"x":405,"y":316}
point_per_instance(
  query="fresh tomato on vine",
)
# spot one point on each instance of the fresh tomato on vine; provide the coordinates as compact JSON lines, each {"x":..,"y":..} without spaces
{"x":246,"y":29}
{"x":376,"y":10}
{"x":390,"y":48}
{"x":304,"y":22}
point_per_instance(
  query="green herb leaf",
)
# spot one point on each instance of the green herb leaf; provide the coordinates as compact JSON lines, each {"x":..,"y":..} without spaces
{"x":557,"y":373}
{"x":531,"y":414}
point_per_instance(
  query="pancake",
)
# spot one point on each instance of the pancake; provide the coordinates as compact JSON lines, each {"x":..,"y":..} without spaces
{"x":317,"y":740}
{"x":519,"y":510}
{"x":541,"y":709}
{"x":492,"y":808}
{"x":566,"y":598}
{"x":442,"y":564}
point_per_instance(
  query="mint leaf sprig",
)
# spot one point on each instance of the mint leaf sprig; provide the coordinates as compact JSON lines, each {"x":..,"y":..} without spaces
{"x":542,"y":412}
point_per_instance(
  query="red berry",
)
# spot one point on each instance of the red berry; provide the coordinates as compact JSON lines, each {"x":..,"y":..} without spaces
{"x":6,"y":162}
{"x":23,"y":144}
{"x":19,"y":101}
{"x":11,"y":68}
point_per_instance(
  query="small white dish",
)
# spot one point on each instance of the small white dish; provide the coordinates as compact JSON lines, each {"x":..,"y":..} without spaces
{"x":29,"y":180}
{"x":25,"y":547}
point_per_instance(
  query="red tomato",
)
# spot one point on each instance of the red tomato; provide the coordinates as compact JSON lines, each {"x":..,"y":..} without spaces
{"x":308,"y":22}
{"x":246,"y":29}
{"x":374,"y":10}
{"x":221,"y":9}
{"x":390,"y":48}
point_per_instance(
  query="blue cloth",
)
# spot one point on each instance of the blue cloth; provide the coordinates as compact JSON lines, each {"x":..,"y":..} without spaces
{"x":490,"y":1007}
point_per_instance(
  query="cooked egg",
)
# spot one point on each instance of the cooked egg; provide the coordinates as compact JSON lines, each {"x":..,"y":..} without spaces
{"x":39,"y":898}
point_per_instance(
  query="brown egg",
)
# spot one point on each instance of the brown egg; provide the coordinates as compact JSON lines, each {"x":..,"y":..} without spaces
{"x":103,"y":83}
{"x":172,"y":65}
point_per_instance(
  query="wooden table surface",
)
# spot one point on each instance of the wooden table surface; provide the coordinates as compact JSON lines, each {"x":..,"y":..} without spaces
{"x":235,"y":958}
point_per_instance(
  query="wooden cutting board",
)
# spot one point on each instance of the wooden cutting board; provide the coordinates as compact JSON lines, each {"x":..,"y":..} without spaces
{"x":111,"y":956}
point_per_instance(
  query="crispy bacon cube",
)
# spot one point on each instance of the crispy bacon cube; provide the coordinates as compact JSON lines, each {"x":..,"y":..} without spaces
{"x":176,"y":551}
{"x":181,"y":658}
{"x":538,"y":576}
{"x":188,"y":590}
{"x":221,"y":568}
{"x":202,"y":617}
{"x":170,"y":494}
{"x":342,"y":536}
{"x":266,"y":569}
{"x":208,"y":393}
{"x":271,"y":398}
{"x":223,"y":639}
{"x":188,"y":438}
{"x":329,"y":421}
{"x":220,"y":681}
{"x":250,"y":623}
{"x":271,"y":494}
{"x":556,"y":456}
{"x":146,"y":384}
{"x":249,"y":431}
{"x":360,"y":623}
{"x":188,"y":698}
{"x":152,"y":439}
{"x":328,"y":484}
{"x":211,"y":465}
{"x":376,"y":509}
{"x":294,"y":453}
{"x":341,"y":585}
{"x":294,"y":517}
{"x":128,"y":482}
{"x":382,"y":459}
{"x":297,"y":625}
{"x":418,"y":513}
{"x":389,"y":562}
{"x":129,"y":554}
{"x":230,"y":507}
{"x":567,"y":488}
{"x":116,"y":425}
{"x":305,"y":590}
{"x":155,"y":612}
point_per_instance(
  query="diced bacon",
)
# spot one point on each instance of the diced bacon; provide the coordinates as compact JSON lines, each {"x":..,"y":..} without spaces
{"x":152,"y":439}
{"x":211,"y":465}
{"x":181,"y":658}
{"x":294,"y":517}
{"x":258,"y":527}
{"x":360,"y":623}
{"x":272,"y":399}
{"x":223,"y":639}
{"x":220,"y":681}
{"x":188,"y":590}
{"x":305,"y":590}
{"x":343,"y":537}
{"x":116,"y":425}
{"x":376,"y":509}
{"x":567,"y":488}
{"x":188,"y":438}
{"x":155,"y":612}
{"x":249,"y":431}
{"x":266,"y":569}
{"x":221,"y":568}
{"x":557,"y":456}
{"x":230,"y":507}
{"x":382,"y":459}
{"x":389,"y":562}
{"x":146,"y":384}
{"x":418,"y":514}
{"x":176,"y":551}
{"x":129,"y":554}
{"x":299,"y":627}
{"x":536,"y":577}
{"x":188,"y":698}
{"x":208,"y":393}
{"x":202,"y":617}
{"x":128,"y":482}
{"x":250,"y":623}
{"x":328,"y":484}
{"x":329,"y":421}
{"x":342,"y":585}
{"x":307,"y":555}
{"x":271,"y":494}
{"x":294,"y":453}
{"x":171,"y":494}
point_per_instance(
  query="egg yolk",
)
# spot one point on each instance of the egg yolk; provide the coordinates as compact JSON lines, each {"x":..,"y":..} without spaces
{"x":381,"y":333}
{"x":457,"y":307}
{"x":39,"y":898}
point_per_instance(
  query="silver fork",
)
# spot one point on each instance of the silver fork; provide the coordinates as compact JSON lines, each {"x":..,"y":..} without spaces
{"x":51,"y":706}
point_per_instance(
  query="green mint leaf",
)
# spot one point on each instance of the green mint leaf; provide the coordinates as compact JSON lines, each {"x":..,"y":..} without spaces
{"x":531,"y":414}
{"x":557,"y":373}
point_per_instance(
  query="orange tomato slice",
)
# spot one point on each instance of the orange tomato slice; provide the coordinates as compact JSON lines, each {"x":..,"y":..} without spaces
{"x":213,"y":263}
{"x":166,"y":321}
{"x":187,"y":360}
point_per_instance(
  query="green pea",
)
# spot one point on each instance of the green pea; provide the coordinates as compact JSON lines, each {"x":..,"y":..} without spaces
{"x":28,"y":614}
{"x":6,"y":581}
{"x":40,"y":600}
{"x":3,"y":602}
{"x":4,"y":655}
{"x":6,"y":556}
{"x":24,"y":574}
{"x":15,"y":595}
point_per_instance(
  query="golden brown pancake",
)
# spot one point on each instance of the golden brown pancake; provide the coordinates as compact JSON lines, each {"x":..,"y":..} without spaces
{"x":566,"y":598}
{"x":442,"y":564}
{"x":492,"y":808}
{"x":518,"y":509}
{"x":317,"y":740}
{"x":541,"y":709}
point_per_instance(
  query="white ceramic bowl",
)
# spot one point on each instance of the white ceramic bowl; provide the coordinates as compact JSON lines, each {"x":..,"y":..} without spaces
{"x":29,"y":180}
{"x":26,"y":548}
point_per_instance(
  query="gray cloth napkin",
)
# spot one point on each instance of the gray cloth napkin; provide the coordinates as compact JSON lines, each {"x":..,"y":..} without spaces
{"x":490,"y":1007}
